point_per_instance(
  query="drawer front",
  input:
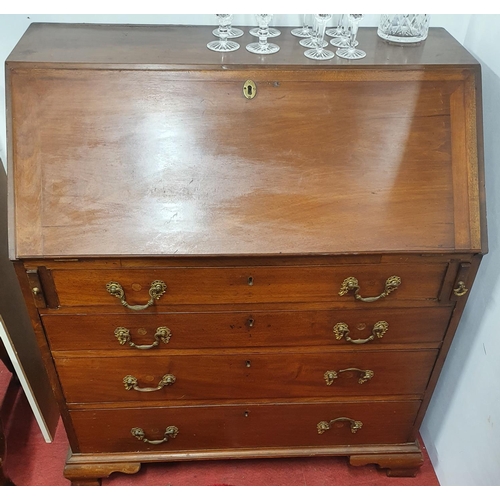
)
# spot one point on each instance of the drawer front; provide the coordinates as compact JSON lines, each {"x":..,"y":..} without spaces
{"x":243,"y":426}
{"x":223,"y":285}
{"x":244,"y":376}
{"x":127,"y":332}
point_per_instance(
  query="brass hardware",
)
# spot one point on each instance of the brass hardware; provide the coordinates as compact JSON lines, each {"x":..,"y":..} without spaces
{"x":341,"y":330}
{"x":250,"y":322}
{"x":162,"y":334}
{"x":36,"y":288}
{"x":250,"y":281}
{"x":331,"y":375}
{"x":460,"y":290}
{"x":131,"y":382}
{"x":170,"y":432}
{"x":156,"y":290}
{"x":248,"y":364}
{"x":351,"y":283}
{"x":325,"y":426}
{"x":249,"y":89}
{"x":246,"y":413}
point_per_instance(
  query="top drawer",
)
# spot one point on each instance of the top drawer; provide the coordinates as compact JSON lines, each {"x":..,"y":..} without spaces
{"x":134,"y":289}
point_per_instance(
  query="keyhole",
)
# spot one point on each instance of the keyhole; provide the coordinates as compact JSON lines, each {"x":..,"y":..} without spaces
{"x":249,"y":90}
{"x":246,"y":414}
{"x":247,"y":363}
{"x":250,"y":281}
{"x":250,"y":322}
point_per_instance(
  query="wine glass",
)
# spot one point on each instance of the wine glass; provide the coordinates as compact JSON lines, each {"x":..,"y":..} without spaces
{"x":319,"y":52}
{"x":273,"y":32}
{"x":337,"y":31}
{"x":342,"y":39}
{"x":231,"y":32}
{"x":311,"y":42}
{"x":352,"y":52}
{"x":223,"y":44}
{"x":305,"y":31}
{"x":263,"y":46}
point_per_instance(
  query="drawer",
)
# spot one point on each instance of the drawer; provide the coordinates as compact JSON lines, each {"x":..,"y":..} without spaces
{"x":223,"y":285}
{"x":197,"y":330}
{"x":244,"y":376}
{"x":243,"y":426}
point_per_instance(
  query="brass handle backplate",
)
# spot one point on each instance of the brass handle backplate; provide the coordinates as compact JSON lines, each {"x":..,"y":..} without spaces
{"x":131,"y":382}
{"x":331,"y":375}
{"x":341,"y":330}
{"x":460,"y":290}
{"x":325,"y":426}
{"x":162,"y":334}
{"x":352,"y":284}
{"x":156,"y":290}
{"x":170,"y":432}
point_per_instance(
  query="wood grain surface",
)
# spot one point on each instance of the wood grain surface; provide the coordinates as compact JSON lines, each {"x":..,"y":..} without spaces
{"x":180,"y":163}
{"x":243,"y":426}
{"x":206,"y":375}
{"x":257,"y":328}
{"x":212,"y":285}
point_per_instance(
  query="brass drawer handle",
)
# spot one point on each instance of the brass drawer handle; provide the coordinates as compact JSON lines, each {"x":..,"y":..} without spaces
{"x":162,"y":334}
{"x":365,"y":375}
{"x":379,"y":328}
{"x":170,"y":432}
{"x":460,"y":290}
{"x":157,"y":289}
{"x":351,"y":283}
{"x":325,"y":426}
{"x":131,"y":382}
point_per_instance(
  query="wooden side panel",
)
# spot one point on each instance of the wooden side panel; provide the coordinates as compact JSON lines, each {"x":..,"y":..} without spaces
{"x":20,"y":331}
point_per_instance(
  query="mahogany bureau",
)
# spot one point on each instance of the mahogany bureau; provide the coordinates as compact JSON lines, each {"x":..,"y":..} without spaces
{"x":234,"y":256}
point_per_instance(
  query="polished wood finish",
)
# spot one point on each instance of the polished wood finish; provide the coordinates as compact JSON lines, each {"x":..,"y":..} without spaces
{"x":245,"y":376}
{"x":135,"y":157}
{"x":216,"y":285}
{"x":244,"y":426}
{"x":253,"y":328}
{"x":397,"y":464}
{"x":194,"y":198}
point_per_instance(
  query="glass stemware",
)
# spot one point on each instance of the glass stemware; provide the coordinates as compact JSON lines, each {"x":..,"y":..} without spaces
{"x":352,"y":52}
{"x":305,"y":31}
{"x":273,"y":32}
{"x":223,"y":44}
{"x":342,"y":40}
{"x":231,"y":32}
{"x":263,"y":46}
{"x":311,"y":42}
{"x":319,"y":52}
{"x":337,"y":31}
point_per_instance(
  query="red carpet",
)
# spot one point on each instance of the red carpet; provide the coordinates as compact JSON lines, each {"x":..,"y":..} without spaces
{"x":32,"y":462}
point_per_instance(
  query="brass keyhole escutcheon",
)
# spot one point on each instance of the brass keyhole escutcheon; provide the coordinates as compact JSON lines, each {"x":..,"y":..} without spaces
{"x":249,"y":89}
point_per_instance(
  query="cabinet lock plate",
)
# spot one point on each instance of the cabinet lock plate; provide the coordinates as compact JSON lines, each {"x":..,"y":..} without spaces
{"x":249,"y":89}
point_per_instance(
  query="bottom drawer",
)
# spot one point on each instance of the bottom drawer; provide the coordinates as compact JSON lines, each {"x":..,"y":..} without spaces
{"x":243,"y":426}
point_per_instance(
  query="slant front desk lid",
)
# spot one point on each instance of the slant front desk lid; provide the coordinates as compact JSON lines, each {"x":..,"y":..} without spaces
{"x":119,"y":148}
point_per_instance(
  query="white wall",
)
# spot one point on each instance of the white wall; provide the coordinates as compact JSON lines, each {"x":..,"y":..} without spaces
{"x":462,"y":427}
